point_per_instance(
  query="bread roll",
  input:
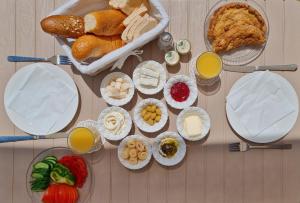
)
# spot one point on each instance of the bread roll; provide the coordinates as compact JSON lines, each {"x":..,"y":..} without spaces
{"x":91,"y":46}
{"x":105,"y":22}
{"x":64,"y":26}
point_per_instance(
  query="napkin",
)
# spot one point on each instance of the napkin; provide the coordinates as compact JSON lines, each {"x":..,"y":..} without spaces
{"x":259,"y":103}
{"x":41,"y":99}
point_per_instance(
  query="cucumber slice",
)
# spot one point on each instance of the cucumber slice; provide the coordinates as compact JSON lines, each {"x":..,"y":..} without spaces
{"x":41,"y":165}
{"x":50,"y":163}
{"x":43,"y":171}
{"x":37,"y":175}
{"x":51,"y":158}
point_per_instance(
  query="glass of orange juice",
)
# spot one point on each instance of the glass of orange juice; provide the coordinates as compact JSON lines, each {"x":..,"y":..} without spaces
{"x":83,"y":140}
{"x":208,"y":68}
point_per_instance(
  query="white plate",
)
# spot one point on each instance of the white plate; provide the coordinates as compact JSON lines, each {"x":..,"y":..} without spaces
{"x":193,"y":111}
{"x":193,"y":91}
{"x":243,"y":55}
{"x":150,"y":90}
{"x":140,"y":164}
{"x":280,"y":128}
{"x":177,"y":158}
{"x":125,"y":129}
{"x":112,"y":101}
{"x":139,"y":121}
{"x":62,"y":121}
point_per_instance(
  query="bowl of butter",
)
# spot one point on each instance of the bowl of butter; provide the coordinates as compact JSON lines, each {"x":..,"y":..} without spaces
{"x":193,"y":123}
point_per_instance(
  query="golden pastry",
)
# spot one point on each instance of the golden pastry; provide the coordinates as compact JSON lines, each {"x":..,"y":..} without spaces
{"x":142,"y":155}
{"x":131,"y":144}
{"x":140,"y":146}
{"x":133,"y":153}
{"x":235,"y":25}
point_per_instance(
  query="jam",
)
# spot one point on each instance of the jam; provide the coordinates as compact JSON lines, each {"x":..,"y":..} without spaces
{"x":180,"y":92}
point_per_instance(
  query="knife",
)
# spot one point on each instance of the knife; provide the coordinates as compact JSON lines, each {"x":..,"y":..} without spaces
{"x":250,"y":69}
{"x":12,"y":138}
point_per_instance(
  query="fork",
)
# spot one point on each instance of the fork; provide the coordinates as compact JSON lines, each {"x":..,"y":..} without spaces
{"x":243,"y":147}
{"x":56,"y":59}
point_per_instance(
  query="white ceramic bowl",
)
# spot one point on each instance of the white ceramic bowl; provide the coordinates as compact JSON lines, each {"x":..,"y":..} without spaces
{"x":150,"y":90}
{"x":112,"y":101}
{"x":193,"y":91}
{"x":193,"y":111}
{"x":177,"y":158}
{"x":139,"y":121}
{"x":140,"y":164}
{"x":125,"y":129}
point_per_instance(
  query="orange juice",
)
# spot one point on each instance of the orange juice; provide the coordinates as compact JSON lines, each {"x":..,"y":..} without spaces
{"x":81,"y":140}
{"x":208,"y":65}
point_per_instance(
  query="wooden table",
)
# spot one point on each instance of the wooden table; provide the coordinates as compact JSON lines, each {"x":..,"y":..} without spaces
{"x":209,"y":172}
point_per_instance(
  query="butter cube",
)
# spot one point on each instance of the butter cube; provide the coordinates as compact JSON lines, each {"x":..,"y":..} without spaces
{"x":192,"y":125}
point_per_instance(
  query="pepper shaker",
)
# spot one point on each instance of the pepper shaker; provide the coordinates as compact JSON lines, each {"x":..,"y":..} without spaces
{"x":165,"y":42}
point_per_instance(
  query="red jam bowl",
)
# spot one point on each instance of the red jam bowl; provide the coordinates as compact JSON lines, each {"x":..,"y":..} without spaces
{"x":180,"y":91}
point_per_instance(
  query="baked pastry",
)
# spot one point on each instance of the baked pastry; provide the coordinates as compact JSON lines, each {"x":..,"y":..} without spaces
{"x":91,"y":46}
{"x":238,"y":36}
{"x":105,"y":22}
{"x":128,"y":6}
{"x":235,"y":25}
{"x":67,"y":26}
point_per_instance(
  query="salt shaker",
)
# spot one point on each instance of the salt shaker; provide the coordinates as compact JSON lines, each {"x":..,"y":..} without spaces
{"x":165,"y":42}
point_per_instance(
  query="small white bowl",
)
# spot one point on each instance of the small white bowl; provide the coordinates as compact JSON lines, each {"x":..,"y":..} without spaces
{"x":139,"y":121}
{"x":112,"y":101}
{"x":162,"y":79}
{"x":125,"y":129}
{"x":193,"y":111}
{"x":140,"y":164}
{"x":193,"y":91}
{"x":177,"y":158}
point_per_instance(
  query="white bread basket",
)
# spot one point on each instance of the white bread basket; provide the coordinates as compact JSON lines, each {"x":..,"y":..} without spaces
{"x":82,"y":7}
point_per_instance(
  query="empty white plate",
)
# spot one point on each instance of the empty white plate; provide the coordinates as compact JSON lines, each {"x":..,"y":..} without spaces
{"x":274,"y":131}
{"x":41,"y":99}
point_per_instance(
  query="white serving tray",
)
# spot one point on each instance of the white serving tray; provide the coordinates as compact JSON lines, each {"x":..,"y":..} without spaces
{"x":82,"y":7}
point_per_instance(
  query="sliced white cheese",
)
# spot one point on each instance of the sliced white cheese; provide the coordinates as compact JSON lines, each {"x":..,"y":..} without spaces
{"x":124,"y":35}
{"x":137,"y":12}
{"x":192,"y":125}
{"x":147,"y":26}
{"x":149,"y":81}
{"x":149,"y":72}
{"x":137,"y":23}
